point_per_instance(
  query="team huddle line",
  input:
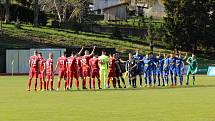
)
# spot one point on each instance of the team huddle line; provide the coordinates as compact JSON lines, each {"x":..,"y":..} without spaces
{"x":155,"y":69}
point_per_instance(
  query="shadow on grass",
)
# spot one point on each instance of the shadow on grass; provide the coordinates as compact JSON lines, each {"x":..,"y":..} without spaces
{"x":7,"y":41}
{"x":140,"y":88}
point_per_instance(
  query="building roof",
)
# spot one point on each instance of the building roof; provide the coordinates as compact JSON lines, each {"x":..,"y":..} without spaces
{"x":117,"y":5}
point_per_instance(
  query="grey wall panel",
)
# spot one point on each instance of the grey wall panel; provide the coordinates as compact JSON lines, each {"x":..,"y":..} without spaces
{"x":24,"y":56}
{"x":12,"y":56}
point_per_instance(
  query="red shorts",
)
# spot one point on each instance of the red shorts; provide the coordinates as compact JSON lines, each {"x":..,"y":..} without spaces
{"x":95,"y":73}
{"x":80,"y":72}
{"x":86,"y":73}
{"x":42,"y":75}
{"x":33,"y":73}
{"x":62,"y":74}
{"x":49,"y":76}
{"x":111,"y":73}
{"x":72,"y":74}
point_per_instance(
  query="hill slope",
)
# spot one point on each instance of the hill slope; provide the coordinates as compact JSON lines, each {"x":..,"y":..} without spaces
{"x":30,"y":37}
{"x":49,"y":37}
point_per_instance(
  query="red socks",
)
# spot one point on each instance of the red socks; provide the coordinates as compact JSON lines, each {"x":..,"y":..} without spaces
{"x":77,"y":83}
{"x":29,"y":84}
{"x":65,"y":85}
{"x":58,"y":86}
{"x":44,"y":85}
{"x":84,"y":83}
{"x":41,"y":84}
{"x":51,"y":85}
{"x":89,"y":82}
{"x":108,"y":82}
{"x":35,"y":84}
{"x":47,"y":85}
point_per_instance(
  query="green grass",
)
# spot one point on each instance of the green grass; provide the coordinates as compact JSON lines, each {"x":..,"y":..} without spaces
{"x":142,"y":104}
{"x":30,"y":37}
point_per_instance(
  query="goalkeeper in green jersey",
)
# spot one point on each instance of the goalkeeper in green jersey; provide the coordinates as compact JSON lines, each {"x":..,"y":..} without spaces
{"x":103,"y":63}
{"x":192,"y":68}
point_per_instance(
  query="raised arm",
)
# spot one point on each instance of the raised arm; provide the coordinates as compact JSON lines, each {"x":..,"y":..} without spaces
{"x":79,"y":53}
{"x":94,"y":47}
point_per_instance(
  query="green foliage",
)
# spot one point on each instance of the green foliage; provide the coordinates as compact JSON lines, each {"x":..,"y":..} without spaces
{"x":188,"y":24}
{"x":31,"y":37}
{"x":116,"y":33}
{"x":18,"y":24}
{"x":152,"y":34}
{"x":25,"y":14}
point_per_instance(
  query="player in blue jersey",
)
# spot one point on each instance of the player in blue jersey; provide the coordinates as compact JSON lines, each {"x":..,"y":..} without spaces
{"x":147,"y":64}
{"x":159,"y":69}
{"x":166,"y":69}
{"x":139,"y":69}
{"x":180,"y":66}
{"x":172,"y":69}
{"x":153,"y":67}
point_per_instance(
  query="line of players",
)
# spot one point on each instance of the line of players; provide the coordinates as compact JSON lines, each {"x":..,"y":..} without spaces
{"x":155,"y":69}
{"x":90,"y":67}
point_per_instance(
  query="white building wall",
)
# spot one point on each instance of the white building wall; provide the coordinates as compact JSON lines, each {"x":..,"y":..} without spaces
{"x":157,"y":10}
{"x":101,"y":4}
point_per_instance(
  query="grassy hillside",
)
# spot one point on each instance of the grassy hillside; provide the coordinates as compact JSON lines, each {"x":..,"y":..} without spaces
{"x":30,"y":37}
{"x":49,"y":37}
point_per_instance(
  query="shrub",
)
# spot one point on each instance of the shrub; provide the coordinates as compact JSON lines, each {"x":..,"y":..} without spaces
{"x":25,"y":15}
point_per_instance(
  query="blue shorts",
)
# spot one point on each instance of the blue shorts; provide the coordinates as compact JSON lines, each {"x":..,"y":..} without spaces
{"x":173,"y":71}
{"x":139,"y":71}
{"x":147,"y":74}
{"x":166,"y":72}
{"x":179,"y":71}
{"x":159,"y":72}
{"x":153,"y":71}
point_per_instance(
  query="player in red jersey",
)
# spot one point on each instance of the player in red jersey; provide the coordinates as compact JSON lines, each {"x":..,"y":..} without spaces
{"x":94,"y":66}
{"x":34,"y":68}
{"x":42,"y":72}
{"x":86,"y":68}
{"x":62,"y":69}
{"x":49,"y":71}
{"x":111,"y":71}
{"x":72,"y":71}
{"x":78,"y":60}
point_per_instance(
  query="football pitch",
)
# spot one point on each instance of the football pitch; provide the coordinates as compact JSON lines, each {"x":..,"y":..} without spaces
{"x":195,"y":103}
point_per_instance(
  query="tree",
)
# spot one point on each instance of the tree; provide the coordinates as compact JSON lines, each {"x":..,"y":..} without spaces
{"x":36,"y":12}
{"x":71,"y":9}
{"x":7,"y":10}
{"x":186,"y":23}
{"x":152,"y":34}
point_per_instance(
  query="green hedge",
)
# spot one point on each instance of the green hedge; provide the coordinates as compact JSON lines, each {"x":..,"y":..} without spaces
{"x":25,"y":15}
